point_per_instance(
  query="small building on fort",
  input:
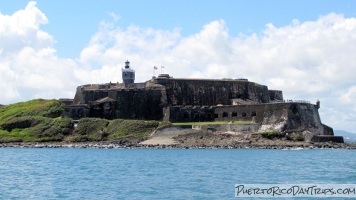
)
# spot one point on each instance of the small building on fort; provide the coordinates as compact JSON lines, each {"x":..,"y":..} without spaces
{"x":195,"y":100}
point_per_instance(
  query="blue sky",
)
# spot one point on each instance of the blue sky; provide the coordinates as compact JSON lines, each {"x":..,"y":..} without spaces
{"x":304,"y":47}
{"x":72,"y":23}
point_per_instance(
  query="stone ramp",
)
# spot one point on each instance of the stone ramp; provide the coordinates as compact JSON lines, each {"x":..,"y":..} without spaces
{"x":165,"y":136}
{"x":159,"y":141}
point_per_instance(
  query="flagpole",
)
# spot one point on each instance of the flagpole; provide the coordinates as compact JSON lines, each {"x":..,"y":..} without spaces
{"x":154,"y":69}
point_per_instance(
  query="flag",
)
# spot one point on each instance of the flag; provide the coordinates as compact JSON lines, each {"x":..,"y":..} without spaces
{"x":155,"y":68}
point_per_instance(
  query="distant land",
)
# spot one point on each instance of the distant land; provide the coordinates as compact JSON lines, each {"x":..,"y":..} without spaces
{"x":348,"y":137}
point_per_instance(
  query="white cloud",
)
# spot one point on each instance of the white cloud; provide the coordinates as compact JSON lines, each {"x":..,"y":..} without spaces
{"x":307,"y":60}
{"x":29,"y":67}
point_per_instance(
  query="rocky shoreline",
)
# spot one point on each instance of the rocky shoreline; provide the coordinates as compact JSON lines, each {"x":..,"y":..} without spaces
{"x":173,"y":137}
{"x":120,"y":145}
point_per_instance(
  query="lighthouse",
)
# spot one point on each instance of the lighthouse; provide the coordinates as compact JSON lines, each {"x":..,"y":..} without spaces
{"x":128,"y":74}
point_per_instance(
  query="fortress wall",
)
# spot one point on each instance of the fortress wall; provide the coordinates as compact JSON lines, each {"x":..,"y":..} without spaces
{"x":78,"y":98}
{"x":131,"y":103}
{"x":328,"y":130}
{"x":212,"y":92}
{"x":103,"y":110}
{"x":282,"y":117}
{"x":275,"y":95}
{"x":188,"y":114}
{"x":327,"y":138}
{"x":254,"y":113}
{"x":292,"y":117}
{"x":139,"y":104}
{"x":76,"y":111}
{"x":89,"y":96}
{"x":84,"y":95}
{"x":63,"y":101}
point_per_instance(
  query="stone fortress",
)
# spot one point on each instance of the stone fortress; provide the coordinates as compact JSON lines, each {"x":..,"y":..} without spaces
{"x":198,"y":100}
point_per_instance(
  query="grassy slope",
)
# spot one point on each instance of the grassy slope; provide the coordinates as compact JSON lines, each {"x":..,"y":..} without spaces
{"x":94,"y":129}
{"x":35,"y":120}
{"x":40,"y":120}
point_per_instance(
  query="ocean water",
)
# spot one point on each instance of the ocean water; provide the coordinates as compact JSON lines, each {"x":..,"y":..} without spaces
{"x":163,"y":173}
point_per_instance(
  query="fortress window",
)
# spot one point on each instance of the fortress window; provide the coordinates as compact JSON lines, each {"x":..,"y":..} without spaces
{"x":253,"y":114}
{"x":216,"y":115}
{"x":234,"y":114}
{"x":243,"y":114}
{"x":225,"y":114}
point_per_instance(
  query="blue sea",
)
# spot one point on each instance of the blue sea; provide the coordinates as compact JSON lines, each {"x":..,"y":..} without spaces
{"x":163,"y":173}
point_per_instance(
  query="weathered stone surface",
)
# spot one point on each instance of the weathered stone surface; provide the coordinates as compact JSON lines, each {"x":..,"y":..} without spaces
{"x":212,"y":92}
{"x":103,"y":108}
{"x":76,"y":111}
{"x":292,"y":117}
{"x":327,"y":138}
{"x":275,"y":95}
{"x":129,"y":101}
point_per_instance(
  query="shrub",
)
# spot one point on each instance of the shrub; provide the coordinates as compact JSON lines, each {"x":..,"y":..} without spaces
{"x":270,"y":134}
{"x":35,"y":129}
{"x":21,"y":122}
{"x":90,"y":129}
{"x":131,"y":128}
{"x":295,"y":136}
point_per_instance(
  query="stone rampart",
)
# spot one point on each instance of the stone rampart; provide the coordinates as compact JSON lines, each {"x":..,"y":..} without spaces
{"x":139,"y":104}
{"x":66,"y":101}
{"x":275,"y":95}
{"x":327,"y":138}
{"x":281,"y":117}
{"x":297,"y":117}
{"x":200,"y":92}
{"x":188,"y":114}
{"x":76,"y":111}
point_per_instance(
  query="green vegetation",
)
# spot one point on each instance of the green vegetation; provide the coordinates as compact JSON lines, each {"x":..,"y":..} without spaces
{"x":164,"y":124}
{"x":89,"y":129}
{"x":210,"y":123}
{"x":40,"y":121}
{"x":94,"y":129}
{"x":36,"y":120}
{"x":36,"y":107}
{"x":270,"y":134}
{"x":296,"y":136}
{"x":131,"y":128}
